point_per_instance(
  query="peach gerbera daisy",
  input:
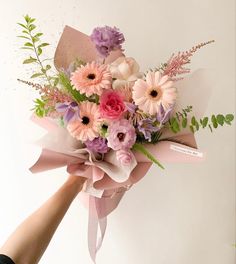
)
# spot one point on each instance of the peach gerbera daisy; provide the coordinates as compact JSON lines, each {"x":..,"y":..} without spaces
{"x":92,"y":78}
{"x":149,"y":94}
{"x":87,"y":127}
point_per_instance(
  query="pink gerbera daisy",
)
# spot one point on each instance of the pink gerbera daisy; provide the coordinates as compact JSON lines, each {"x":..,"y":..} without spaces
{"x":92,"y":78}
{"x":149,"y":94}
{"x":87,"y":127}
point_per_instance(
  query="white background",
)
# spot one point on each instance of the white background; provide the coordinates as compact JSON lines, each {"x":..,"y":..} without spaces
{"x":183,"y":215}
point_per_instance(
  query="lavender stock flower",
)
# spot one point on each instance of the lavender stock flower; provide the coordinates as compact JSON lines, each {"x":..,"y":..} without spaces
{"x":69,"y":110}
{"x":98,"y":145}
{"x":107,"y":39}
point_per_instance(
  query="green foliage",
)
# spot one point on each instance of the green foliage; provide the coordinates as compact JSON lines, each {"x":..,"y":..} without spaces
{"x":180,"y":121}
{"x":65,"y":82}
{"x":41,"y":108}
{"x":35,"y":45}
{"x":140,"y":148}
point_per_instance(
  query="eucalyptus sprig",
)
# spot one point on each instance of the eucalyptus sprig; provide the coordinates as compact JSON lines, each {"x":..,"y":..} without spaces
{"x":35,"y":45}
{"x":182,"y":121}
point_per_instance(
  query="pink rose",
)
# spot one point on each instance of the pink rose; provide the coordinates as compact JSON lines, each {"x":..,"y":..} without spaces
{"x":112,"y":105}
{"x":124,"y":157}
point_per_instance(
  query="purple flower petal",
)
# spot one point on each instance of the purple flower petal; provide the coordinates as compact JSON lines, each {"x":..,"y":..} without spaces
{"x":147,"y":127}
{"x":163,"y":116}
{"x":130,"y":107}
{"x":61,"y":107}
{"x":69,"y":115}
{"x":98,"y":145}
{"x":107,"y":39}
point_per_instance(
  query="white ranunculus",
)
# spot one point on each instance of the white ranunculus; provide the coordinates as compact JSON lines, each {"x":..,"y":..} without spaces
{"x":125,"y":69}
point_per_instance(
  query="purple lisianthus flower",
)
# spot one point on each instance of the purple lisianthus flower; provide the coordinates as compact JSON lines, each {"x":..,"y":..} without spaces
{"x":121,"y":135}
{"x":107,"y":39}
{"x":98,"y":145}
{"x":70,"y":111}
{"x":162,"y":115}
{"x":147,"y":127}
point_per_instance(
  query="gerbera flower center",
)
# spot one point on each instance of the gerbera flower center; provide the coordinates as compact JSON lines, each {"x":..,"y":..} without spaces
{"x":91,"y":76}
{"x":121,"y":136}
{"x":85,"y":120}
{"x":154,"y":93}
{"x":104,"y":126}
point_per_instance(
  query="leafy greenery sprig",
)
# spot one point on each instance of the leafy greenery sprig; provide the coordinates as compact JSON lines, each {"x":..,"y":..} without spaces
{"x":181,"y":121}
{"x":65,"y":82}
{"x":141,"y":148}
{"x":34,"y":44}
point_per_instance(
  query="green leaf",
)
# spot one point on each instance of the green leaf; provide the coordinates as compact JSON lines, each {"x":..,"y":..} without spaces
{"x":191,"y":128}
{"x":193,"y":121}
{"x":184,"y":122}
{"x":35,"y":39}
{"x":22,"y":26}
{"x":38,"y":35}
{"x":43,"y":45}
{"x":27,"y":18}
{"x":30,"y":60}
{"x":23,"y":37}
{"x":32,"y":20}
{"x":36,"y":75}
{"x":26,"y":32}
{"x":175,"y":126}
{"x":56,"y":81}
{"x":48,"y":67}
{"x":214,"y":121}
{"x":140,"y":148}
{"x":205,"y":122}
{"x":28,"y":44}
{"x":40,"y":51}
{"x":229,"y":117}
{"x":197,"y":125}
{"x":32,"y":27}
{"x":65,"y":81}
{"x":27,"y":48}
{"x":220,"y":119}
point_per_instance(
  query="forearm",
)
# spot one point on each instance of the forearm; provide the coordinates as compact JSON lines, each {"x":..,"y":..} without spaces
{"x":27,"y":244}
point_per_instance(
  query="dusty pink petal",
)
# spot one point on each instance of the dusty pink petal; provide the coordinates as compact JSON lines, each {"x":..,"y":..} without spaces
{"x":88,"y":130}
{"x":150,"y":79}
{"x":92,"y":78}
{"x":149,"y":94}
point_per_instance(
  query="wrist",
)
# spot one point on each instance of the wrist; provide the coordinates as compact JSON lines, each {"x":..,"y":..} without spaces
{"x":76,"y":182}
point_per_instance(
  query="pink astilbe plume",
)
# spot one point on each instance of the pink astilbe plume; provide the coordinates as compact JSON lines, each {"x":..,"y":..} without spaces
{"x":51,"y":94}
{"x":176,"y":65}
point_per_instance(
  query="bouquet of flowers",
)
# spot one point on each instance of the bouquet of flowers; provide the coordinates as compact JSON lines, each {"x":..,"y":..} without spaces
{"x":106,"y":120}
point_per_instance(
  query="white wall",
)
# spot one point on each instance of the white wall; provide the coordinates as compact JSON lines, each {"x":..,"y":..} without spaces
{"x":183,"y":215}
